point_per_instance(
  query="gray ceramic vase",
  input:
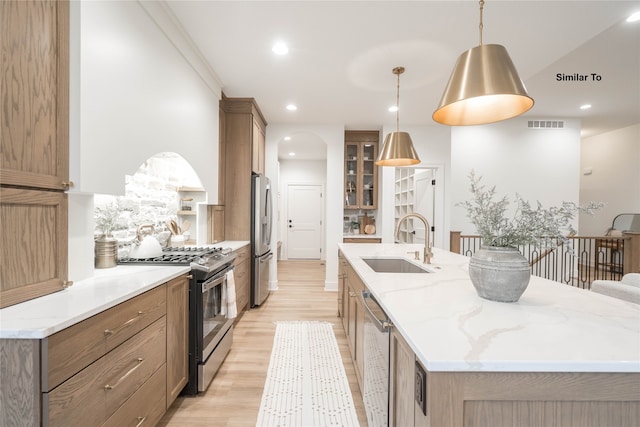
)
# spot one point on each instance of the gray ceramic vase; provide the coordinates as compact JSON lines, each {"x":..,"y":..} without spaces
{"x":499,"y":273}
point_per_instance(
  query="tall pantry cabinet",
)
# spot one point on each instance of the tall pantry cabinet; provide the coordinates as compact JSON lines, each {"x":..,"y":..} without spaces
{"x":244,"y":145}
{"x":34,"y":150}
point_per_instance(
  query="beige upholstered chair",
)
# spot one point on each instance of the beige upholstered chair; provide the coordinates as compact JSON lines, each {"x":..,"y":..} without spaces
{"x":628,"y":288}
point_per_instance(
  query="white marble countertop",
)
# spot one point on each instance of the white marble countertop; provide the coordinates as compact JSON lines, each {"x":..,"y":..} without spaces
{"x":40,"y":317}
{"x":552,"y":328}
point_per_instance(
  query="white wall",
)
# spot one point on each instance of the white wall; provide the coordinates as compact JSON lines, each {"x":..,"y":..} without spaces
{"x":137,"y":88}
{"x":299,"y":172}
{"x":538,"y":164}
{"x":333,"y":137}
{"x":614,"y":161}
{"x":134,"y":95}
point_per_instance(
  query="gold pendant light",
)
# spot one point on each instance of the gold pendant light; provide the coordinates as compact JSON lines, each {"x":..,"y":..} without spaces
{"x":484,"y":87}
{"x":398,"y":149}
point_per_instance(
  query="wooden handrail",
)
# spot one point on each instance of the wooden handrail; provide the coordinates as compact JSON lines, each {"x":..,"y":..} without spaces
{"x":548,"y":251}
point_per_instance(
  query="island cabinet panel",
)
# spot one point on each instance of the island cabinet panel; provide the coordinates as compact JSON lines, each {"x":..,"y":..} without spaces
{"x":531,"y":399}
{"x":355,"y":322}
{"x":91,"y":396}
{"x":401,"y":381}
{"x":343,"y":293}
{"x":73,"y":348}
{"x":177,"y":372}
{"x":242,"y":278}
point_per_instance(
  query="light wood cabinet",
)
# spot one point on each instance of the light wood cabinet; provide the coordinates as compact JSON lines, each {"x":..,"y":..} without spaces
{"x":401,"y":381}
{"x":361,"y":172}
{"x":343,"y":292}
{"x":354,"y":323}
{"x":92,"y":395}
{"x":215,"y":223}
{"x":257,"y":147}
{"x":77,"y":346}
{"x":244,"y":136}
{"x":34,"y":244}
{"x":177,"y":337}
{"x":361,"y":240}
{"x":34,"y":121}
{"x":242,"y":278}
{"x":145,"y":406}
{"x":34,"y":114}
{"x":123,"y":366}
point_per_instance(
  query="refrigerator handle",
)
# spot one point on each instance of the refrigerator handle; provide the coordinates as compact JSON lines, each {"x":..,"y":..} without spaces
{"x":266,"y":257}
{"x":268,"y":214}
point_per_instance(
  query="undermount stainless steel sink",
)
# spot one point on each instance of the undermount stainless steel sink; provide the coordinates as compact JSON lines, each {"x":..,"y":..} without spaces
{"x":394,"y":265}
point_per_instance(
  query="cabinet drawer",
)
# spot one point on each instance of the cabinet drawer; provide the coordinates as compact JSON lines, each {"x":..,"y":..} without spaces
{"x":91,"y":396}
{"x":145,"y":407}
{"x":74,"y":348}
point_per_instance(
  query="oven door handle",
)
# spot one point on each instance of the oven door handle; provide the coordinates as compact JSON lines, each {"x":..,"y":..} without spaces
{"x":217,"y":280}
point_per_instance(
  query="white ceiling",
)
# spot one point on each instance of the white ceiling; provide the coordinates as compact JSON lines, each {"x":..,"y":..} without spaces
{"x":341,"y":53}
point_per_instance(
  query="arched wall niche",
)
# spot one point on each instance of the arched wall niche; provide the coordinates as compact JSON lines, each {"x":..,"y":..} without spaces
{"x":153,"y":194}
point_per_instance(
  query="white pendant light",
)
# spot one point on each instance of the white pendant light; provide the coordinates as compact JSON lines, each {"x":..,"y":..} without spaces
{"x":484,"y":87}
{"x":397,"y":149}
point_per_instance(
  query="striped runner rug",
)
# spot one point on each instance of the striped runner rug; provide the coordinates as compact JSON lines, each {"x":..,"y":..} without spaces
{"x":306,"y":382}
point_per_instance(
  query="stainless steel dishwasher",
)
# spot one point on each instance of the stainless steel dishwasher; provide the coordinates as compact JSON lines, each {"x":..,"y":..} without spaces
{"x":376,"y":362}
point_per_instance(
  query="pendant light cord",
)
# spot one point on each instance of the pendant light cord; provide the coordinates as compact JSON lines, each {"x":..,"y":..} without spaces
{"x":398,"y":104}
{"x":481,"y":25}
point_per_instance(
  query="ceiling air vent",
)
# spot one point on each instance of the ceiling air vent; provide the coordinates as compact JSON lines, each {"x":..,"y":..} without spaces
{"x":546,"y":124}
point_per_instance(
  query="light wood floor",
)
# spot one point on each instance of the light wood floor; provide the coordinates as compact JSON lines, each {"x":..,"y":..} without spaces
{"x":233,"y":398}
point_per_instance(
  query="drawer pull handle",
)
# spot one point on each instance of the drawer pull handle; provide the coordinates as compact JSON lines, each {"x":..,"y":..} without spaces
{"x":139,"y":361}
{"x":140,"y":421}
{"x":108,"y":332}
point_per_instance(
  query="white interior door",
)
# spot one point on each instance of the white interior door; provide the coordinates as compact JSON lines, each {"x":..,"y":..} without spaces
{"x":424,"y":203}
{"x":304,"y":221}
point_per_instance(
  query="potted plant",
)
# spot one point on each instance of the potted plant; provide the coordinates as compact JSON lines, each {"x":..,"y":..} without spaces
{"x":498,"y":271}
{"x":355,"y":227}
{"x":106,"y":247}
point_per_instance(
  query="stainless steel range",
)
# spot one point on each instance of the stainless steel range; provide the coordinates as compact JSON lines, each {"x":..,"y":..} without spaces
{"x":210,"y":331}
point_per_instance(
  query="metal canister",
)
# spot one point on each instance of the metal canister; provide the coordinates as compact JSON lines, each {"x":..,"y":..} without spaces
{"x":106,"y":252}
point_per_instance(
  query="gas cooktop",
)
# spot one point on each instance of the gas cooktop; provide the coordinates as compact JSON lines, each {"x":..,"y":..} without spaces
{"x":183,"y":255}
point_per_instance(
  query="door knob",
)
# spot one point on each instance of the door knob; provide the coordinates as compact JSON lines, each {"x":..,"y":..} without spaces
{"x":290,"y":226}
{"x":290,"y":221}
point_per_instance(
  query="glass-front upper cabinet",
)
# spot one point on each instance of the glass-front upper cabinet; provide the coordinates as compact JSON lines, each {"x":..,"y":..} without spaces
{"x":361,"y":172}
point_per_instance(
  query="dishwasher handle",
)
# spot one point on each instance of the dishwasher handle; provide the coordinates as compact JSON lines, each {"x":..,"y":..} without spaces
{"x":383,"y":325}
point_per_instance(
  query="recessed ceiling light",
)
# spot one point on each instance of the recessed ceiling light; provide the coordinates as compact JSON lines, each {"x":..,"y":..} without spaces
{"x":280,"y":48}
{"x":291,"y":107}
{"x":585,"y":106}
{"x":635,"y":17}
{"x":287,"y":138}
{"x":292,"y":153}
{"x":393,"y":108}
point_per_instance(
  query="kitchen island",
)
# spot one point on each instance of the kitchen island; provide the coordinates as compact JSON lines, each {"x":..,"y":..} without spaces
{"x":558,"y":356}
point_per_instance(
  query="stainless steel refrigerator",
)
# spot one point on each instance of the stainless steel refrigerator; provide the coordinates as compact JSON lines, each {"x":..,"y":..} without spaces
{"x":261,"y":226}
